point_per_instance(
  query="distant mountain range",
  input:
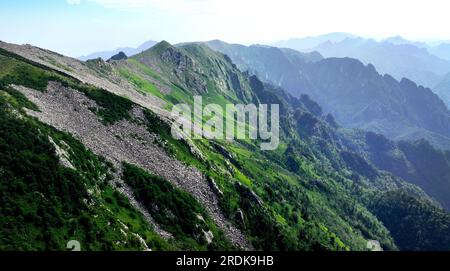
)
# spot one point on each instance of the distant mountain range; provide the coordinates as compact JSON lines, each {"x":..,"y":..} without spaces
{"x":399,"y":40}
{"x":426,"y":64}
{"x":129,"y":51}
{"x":442,"y":50}
{"x":398,"y":60}
{"x":302,"y":44}
{"x":356,"y":94}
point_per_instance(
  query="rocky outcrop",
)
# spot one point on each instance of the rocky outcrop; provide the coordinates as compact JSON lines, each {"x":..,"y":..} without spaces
{"x":240,"y":217}
{"x":62,"y":154}
{"x":249,"y":194}
{"x":214,"y":186}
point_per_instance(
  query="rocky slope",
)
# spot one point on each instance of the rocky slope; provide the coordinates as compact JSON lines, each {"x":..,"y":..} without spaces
{"x":125,"y":141}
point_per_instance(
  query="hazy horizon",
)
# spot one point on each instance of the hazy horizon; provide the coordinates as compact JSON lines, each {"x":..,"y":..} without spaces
{"x":81,"y":27}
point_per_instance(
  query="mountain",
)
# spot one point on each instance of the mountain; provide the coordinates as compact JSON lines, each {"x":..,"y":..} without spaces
{"x":129,"y":51}
{"x":401,"y":60}
{"x":87,"y":154}
{"x":401,"y":212}
{"x":442,"y":50}
{"x":426,"y":64}
{"x":301,"y":44}
{"x":354,"y":93}
{"x":399,"y":40}
{"x":417,"y":162}
{"x":443,"y":89}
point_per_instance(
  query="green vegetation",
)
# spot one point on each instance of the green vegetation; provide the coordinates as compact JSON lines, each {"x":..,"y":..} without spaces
{"x":17,"y":99}
{"x":143,"y":85}
{"x":44,"y":204}
{"x":13,"y":71}
{"x":403,"y":214}
{"x":297,"y":224}
{"x":113,"y":107}
{"x":122,"y":210}
{"x":175,"y":210}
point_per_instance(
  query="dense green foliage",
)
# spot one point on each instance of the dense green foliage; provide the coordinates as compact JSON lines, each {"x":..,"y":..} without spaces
{"x":415,"y":224}
{"x":17,"y":99}
{"x":175,"y":210}
{"x":416,"y":162}
{"x":14,"y":71}
{"x":113,"y":107}
{"x":44,"y":204}
{"x":32,"y":185}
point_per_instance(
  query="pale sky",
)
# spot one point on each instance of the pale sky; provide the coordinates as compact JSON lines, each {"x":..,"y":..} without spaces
{"x":79,"y":27}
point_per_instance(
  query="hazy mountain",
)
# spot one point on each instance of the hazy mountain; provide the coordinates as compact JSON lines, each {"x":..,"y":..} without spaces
{"x":443,"y":89}
{"x":357,"y":95}
{"x":399,"y":60}
{"x":426,"y":64}
{"x":306,"y":43}
{"x":399,"y":40}
{"x":127,"y":50}
{"x":442,"y":50}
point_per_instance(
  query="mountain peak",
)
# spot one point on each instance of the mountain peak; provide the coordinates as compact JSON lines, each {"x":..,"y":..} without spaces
{"x":398,"y":37}
{"x":397,"y":40}
{"x":157,"y":51}
{"x":163,"y":45}
{"x":408,"y":83}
